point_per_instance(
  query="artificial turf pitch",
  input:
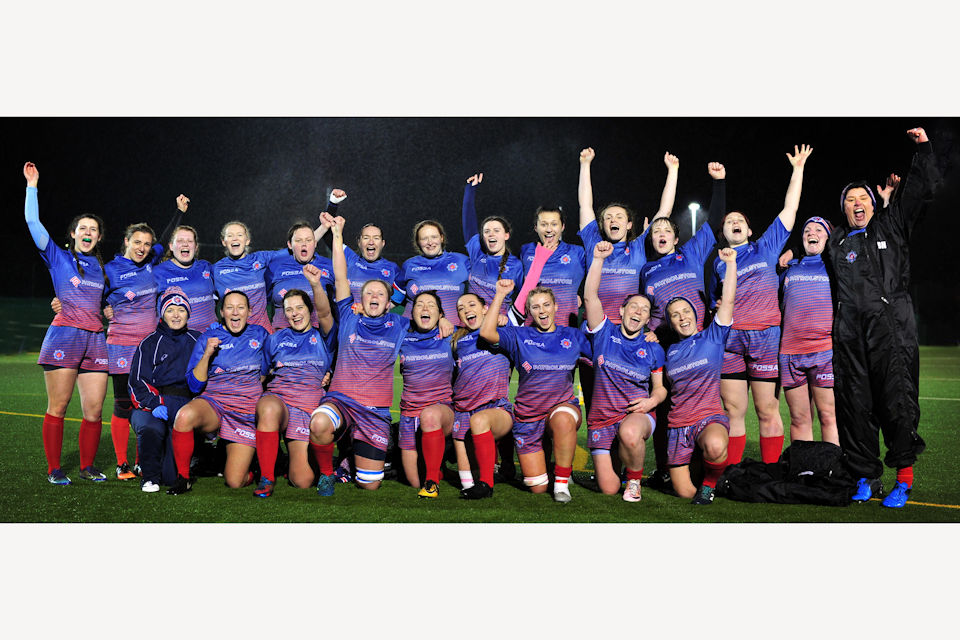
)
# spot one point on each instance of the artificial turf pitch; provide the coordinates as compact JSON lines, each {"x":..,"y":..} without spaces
{"x":28,"y":497}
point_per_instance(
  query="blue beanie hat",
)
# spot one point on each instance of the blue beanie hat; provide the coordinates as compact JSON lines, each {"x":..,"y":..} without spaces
{"x":176,"y":296}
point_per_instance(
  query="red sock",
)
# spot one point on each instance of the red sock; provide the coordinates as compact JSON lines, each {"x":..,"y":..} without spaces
{"x":486,"y":451}
{"x":432,"y":443}
{"x":324,"y":455}
{"x":905,"y":475}
{"x":89,"y":441}
{"x":712,"y":472}
{"x":735,"y":448}
{"x":770,"y":448}
{"x":183,"y":451}
{"x":268,"y":443}
{"x":561,"y":474}
{"x":52,"y":440}
{"x":120,"y":432}
{"x":634,"y":475}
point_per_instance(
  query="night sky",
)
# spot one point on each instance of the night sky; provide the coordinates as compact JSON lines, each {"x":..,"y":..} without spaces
{"x":270,"y":172}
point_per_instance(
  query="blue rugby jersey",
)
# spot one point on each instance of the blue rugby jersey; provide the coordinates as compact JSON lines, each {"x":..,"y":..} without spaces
{"x":622,"y":368}
{"x":247,"y":274}
{"x":621,"y":270}
{"x":757,"y":305}
{"x":132,"y":293}
{"x":679,"y":274}
{"x":447,"y":274}
{"x":426,"y":364}
{"x":563,"y":272}
{"x":693,"y":372}
{"x":545,"y":363}
{"x":298,"y":363}
{"x":482,"y":375}
{"x":367,"y":349}
{"x":197,"y":283}
{"x":484,"y":272}
{"x":233,"y":375}
{"x":360,"y":270}
{"x":807,"y":307}
{"x":284,"y":272}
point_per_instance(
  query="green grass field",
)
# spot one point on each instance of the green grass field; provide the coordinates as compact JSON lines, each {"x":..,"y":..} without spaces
{"x":29,"y":498}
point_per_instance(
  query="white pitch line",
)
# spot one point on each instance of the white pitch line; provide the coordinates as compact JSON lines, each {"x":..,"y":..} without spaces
{"x":932,"y":398}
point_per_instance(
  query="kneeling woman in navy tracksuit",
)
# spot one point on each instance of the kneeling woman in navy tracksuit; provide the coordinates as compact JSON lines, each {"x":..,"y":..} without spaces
{"x":158,"y":388}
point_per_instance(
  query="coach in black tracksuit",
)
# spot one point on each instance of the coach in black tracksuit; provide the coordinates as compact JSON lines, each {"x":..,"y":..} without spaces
{"x":876,"y":359}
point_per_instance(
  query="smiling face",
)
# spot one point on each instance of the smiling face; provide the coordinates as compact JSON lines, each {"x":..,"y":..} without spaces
{"x":471,"y":310}
{"x":302,"y":245}
{"x":858,"y":207}
{"x":235,"y":240}
{"x":183,"y":247}
{"x":430,"y":241}
{"x":297,"y":313}
{"x":634,"y":315}
{"x":371,"y":243}
{"x":235,"y":312}
{"x":543,"y":309}
{"x":814,"y":238}
{"x":85,"y":235}
{"x":682,"y":317}
{"x":616,"y":223}
{"x":549,"y":228}
{"x":175,"y":316}
{"x":373,"y":298}
{"x":495,"y":237}
{"x":663,"y":237}
{"x":137,"y":246}
{"x":735,"y":229}
{"x":425,"y":313}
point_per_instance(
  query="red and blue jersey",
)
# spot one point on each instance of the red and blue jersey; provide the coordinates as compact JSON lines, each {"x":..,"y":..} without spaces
{"x":622,"y":368}
{"x":678,"y":274}
{"x":807,"y":307}
{"x":80,"y":295}
{"x":233,"y":375}
{"x":133,"y":295}
{"x":298,"y":362}
{"x":197,"y":282}
{"x":360,"y":270}
{"x":426,"y":364}
{"x":693,"y":373}
{"x":247,"y":274}
{"x":621,"y":270}
{"x":757,"y":305}
{"x":447,"y":274}
{"x":284,"y":273}
{"x":563,"y":272}
{"x":485,"y":271}
{"x":482,"y":375}
{"x":545,"y":363}
{"x":367,"y":349}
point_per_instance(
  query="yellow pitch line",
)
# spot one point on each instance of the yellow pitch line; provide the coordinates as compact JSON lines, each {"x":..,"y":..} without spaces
{"x":925,"y":504}
{"x":33,"y":415}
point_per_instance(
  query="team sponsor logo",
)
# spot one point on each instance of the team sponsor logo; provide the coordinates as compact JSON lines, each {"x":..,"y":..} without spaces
{"x":414,"y":288}
{"x":376,"y":437}
{"x":245,"y":434}
{"x":824,"y":376}
{"x":565,"y":259}
{"x":164,"y":357}
{"x":122,"y":363}
{"x":649,"y":290}
{"x":313,"y":339}
{"x":224,"y":272}
{"x":600,"y":361}
{"x":565,"y":343}
{"x":283,"y":292}
{"x":254,"y":343}
{"x":353,"y":337}
{"x":641,"y":353}
{"x":303,"y":431}
{"x":101,"y":361}
{"x":227,"y":290}
{"x":403,"y":359}
{"x":130,"y":295}
{"x":527,"y":366}
{"x":218,"y":370}
{"x":881,"y":244}
{"x":851,"y":256}
{"x":595,"y":436}
{"x":452,"y":266}
{"x":59,"y":354}
{"x":75,"y":281}
{"x":206,"y":274}
{"x":385,"y":273}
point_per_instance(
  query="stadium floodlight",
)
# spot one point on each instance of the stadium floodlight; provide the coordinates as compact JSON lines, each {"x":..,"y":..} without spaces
{"x":693,"y":207}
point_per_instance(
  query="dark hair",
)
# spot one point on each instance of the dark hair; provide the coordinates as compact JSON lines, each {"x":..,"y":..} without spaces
{"x":642,"y":295}
{"x":506,"y":247}
{"x":648,"y":244}
{"x":666,"y":309}
{"x":724,"y":243}
{"x":631,"y":217}
{"x":183,"y":227}
{"x":139,"y":227}
{"x":71,"y":244}
{"x":462,"y":331}
{"x":367,"y":226}
{"x":431,"y":293}
{"x":298,"y":292}
{"x":234,"y":292}
{"x":299,"y":224}
{"x":428,"y":223}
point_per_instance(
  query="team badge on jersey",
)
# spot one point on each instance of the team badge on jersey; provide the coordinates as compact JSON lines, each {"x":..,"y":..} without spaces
{"x":641,"y":353}
{"x":254,"y":343}
{"x":324,"y":273}
{"x":257,"y":266}
{"x":59,"y":354}
{"x":122,"y":363}
{"x":206,"y":274}
{"x":679,"y":257}
{"x":626,"y":251}
{"x":452,"y":266}
{"x":565,"y":258}
{"x":851,"y":256}
{"x":313,"y":339}
{"x":130,"y":295}
{"x":595,"y":436}
{"x":75,"y":281}
{"x":385,"y":273}
{"x":388,"y":324}
{"x":565,"y":343}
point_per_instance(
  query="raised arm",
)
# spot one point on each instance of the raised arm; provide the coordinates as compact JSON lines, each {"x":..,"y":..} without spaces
{"x":788,"y":216}
{"x":321,"y":304}
{"x":724,"y":315}
{"x":197,"y":377}
{"x":669,"y":187}
{"x":921,"y":184}
{"x":488,"y":328}
{"x":718,"y":196}
{"x":336,"y":197}
{"x":31,"y":207}
{"x":887,"y":191}
{"x":468,"y":215}
{"x":585,"y":188}
{"x":592,"y":306}
{"x":183,"y":202}
{"x":342,"y":283}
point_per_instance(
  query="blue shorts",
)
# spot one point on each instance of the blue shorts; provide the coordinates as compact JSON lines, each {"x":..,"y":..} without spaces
{"x":681,"y":441}
{"x":601,"y":438}
{"x":753,"y":352}
{"x":72,"y":348}
{"x":235,"y":426}
{"x":813,"y":368}
{"x":461,"y":419}
{"x":367,"y":424}
{"x":528,"y":436}
{"x":120,"y":358}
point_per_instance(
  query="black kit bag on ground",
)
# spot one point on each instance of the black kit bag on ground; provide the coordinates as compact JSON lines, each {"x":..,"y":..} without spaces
{"x":807,"y":473}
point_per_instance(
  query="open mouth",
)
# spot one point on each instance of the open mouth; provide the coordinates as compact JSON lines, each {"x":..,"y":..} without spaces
{"x":139,"y":255}
{"x":86,"y":242}
{"x":304,"y":254}
{"x":185,"y":254}
{"x":235,"y":247}
{"x":614,"y":229}
{"x":425,"y":319}
{"x":234,"y":324}
{"x":471,"y":319}
{"x":370,"y":251}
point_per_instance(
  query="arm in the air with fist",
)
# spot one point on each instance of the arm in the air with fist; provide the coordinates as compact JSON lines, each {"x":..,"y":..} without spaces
{"x":198,"y":368}
{"x":488,"y":329}
{"x":593,"y":308}
{"x":724,"y":315}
